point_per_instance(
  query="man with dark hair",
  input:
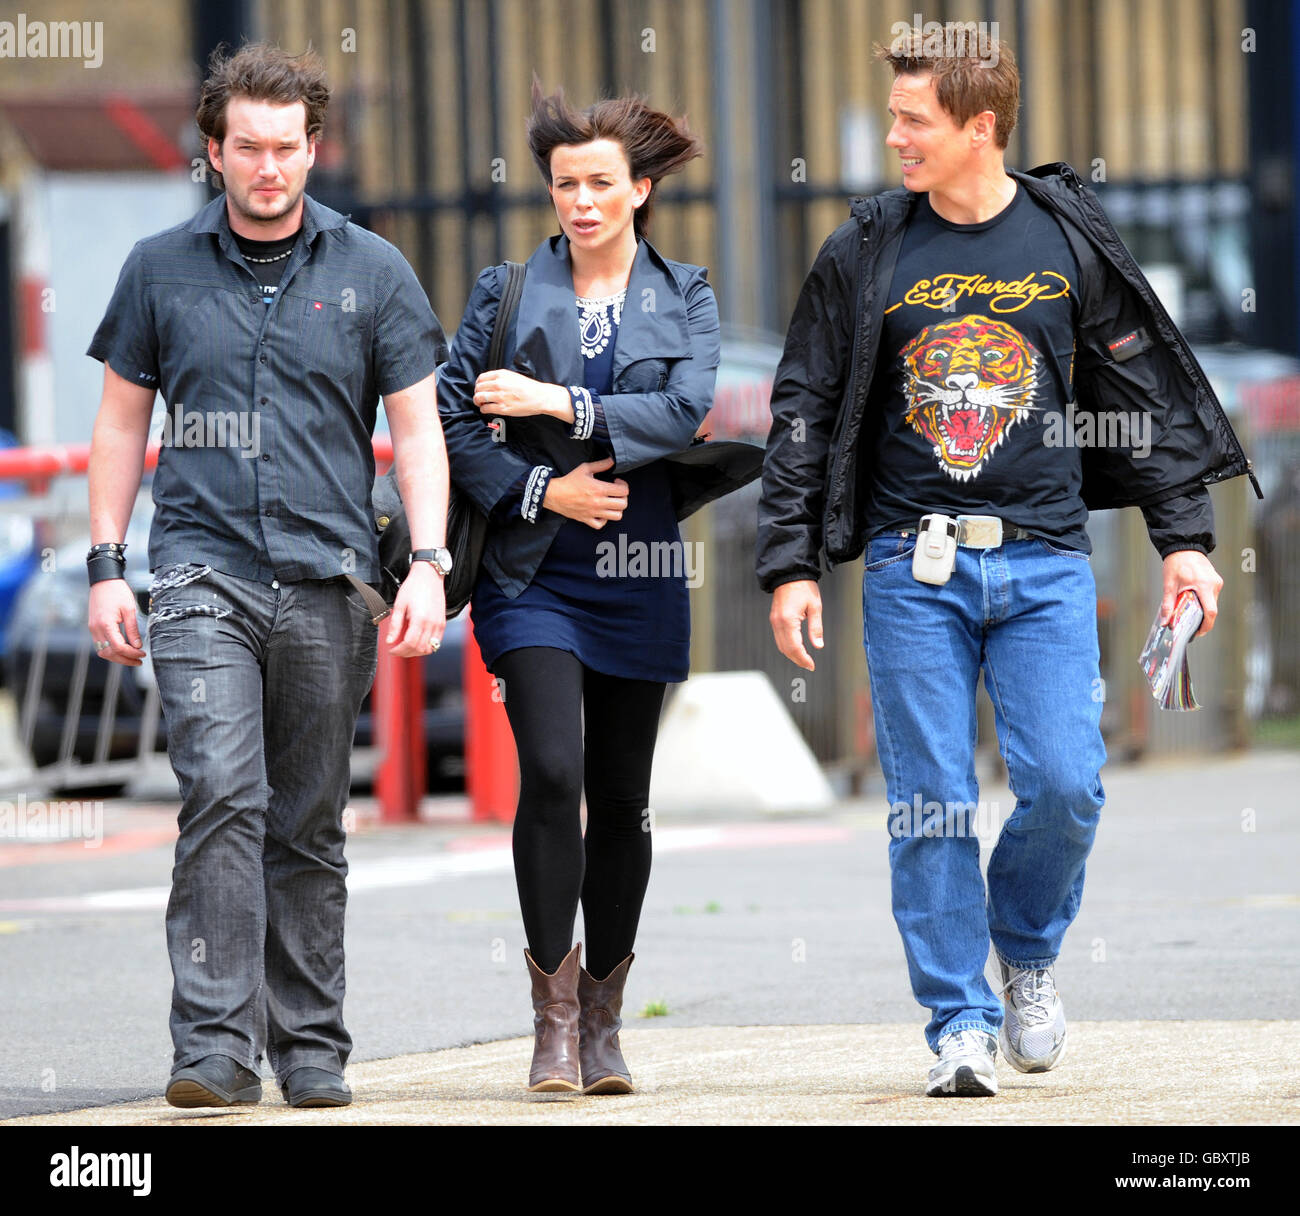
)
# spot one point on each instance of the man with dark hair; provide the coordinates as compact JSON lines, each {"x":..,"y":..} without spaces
{"x":945,"y":336}
{"x":277,"y":325}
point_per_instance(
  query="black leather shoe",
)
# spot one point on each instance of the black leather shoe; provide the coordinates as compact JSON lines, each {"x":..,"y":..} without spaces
{"x":214,"y":1081}
{"x":307,"y":1086}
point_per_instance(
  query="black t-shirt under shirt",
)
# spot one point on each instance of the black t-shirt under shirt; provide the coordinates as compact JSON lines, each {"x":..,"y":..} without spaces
{"x":976,"y":355}
{"x":267,"y":260}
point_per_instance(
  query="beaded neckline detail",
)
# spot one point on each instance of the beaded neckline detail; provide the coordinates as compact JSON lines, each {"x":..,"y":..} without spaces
{"x":603,"y":301}
{"x":596,"y":321}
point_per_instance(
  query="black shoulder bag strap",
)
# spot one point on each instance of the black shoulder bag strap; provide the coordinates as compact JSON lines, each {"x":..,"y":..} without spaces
{"x":511,"y":292}
{"x":386,"y":498}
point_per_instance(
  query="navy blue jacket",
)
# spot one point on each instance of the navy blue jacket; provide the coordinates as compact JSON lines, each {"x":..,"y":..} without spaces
{"x":665,"y":363}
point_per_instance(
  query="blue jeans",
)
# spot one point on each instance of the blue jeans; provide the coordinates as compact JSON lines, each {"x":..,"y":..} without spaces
{"x":1026,"y":614}
{"x":260,"y":688}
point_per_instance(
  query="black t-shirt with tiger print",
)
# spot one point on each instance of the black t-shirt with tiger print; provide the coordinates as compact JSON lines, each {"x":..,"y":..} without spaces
{"x":967,"y":412}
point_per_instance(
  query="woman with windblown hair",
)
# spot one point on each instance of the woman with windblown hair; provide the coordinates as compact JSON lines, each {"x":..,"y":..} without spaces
{"x":609,"y":367}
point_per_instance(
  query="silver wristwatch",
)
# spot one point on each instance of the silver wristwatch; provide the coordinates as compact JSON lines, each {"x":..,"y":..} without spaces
{"x":439,"y":559}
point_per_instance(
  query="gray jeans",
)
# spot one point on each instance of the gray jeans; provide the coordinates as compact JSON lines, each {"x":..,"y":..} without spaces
{"x":260,"y":688}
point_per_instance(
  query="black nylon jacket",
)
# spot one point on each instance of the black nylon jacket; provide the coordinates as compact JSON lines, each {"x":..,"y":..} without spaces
{"x":812,"y":477}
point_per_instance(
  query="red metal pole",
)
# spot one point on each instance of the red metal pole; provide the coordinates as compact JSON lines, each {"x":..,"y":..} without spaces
{"x":64,"y":458}
{"x":491,"y":763}
{"x":397,"y":712}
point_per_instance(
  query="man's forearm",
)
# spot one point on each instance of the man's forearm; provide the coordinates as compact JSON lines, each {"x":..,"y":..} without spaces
{"x":421,"y":456}
{"x":116,"y":466}
{"x":422,"y":477}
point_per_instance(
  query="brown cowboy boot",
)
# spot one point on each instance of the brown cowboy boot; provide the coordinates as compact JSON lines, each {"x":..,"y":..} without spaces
{"x":555,"y":1023}
{"x":601,"y":1001}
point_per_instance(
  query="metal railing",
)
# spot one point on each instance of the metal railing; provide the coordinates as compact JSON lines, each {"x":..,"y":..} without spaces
{"x":107,"y":718}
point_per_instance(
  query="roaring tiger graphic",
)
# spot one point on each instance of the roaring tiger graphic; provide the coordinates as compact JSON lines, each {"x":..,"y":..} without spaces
{"x":968,"y":381}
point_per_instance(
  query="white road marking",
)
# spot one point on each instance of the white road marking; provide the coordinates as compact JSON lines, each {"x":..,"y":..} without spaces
{"x":406,"y":870}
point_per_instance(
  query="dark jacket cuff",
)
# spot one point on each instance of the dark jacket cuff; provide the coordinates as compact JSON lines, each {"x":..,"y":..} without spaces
{"x":772,"y":582}
{"x":1184,"y":522}
{"x":509,"y":502}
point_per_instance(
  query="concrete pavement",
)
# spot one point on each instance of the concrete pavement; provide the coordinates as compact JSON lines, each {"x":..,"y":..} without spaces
{"x":1183,"y":963}
{"x":1113,"y":1073}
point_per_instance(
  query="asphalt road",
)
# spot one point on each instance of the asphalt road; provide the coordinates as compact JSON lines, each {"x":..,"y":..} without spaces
{"x":1192,"y":911}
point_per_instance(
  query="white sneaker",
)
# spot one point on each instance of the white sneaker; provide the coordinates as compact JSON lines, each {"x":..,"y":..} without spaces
{"x":1033,"y":1031}
{"x":965,"y":1068}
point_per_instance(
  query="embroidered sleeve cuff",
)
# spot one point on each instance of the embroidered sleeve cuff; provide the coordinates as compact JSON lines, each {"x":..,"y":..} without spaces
{"x":584,"y":412}
{"x":535,"y":491}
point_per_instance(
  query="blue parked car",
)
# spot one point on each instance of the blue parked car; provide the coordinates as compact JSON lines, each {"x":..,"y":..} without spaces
{"x":19,"y":551}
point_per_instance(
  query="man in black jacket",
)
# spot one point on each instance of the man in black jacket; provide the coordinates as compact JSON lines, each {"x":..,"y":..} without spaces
{"x":975,"y":362}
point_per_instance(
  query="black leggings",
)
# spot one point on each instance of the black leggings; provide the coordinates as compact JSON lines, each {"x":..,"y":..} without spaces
{"x":546,"y":692}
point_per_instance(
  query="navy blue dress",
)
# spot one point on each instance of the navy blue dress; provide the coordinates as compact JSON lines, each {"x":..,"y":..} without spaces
{"x":616,"y":597}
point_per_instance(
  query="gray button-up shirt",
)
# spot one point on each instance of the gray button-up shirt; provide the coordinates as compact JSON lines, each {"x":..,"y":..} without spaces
{"x":267,"y":465}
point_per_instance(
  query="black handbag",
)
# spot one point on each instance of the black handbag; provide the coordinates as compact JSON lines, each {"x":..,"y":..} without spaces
{"x":466,"y":525}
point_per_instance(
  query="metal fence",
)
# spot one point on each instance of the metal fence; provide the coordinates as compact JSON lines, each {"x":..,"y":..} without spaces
{"x":1146,"y":97}
{"x":70,"y":720}
{"x":99,"y":732}
{"x":73,"y":720}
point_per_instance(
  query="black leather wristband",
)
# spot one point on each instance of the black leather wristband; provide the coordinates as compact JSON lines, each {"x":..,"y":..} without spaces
{"x":104,"y":567}
{"x":106,"y":548}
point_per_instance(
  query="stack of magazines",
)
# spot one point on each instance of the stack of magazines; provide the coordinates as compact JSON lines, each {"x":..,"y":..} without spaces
{"x":1164,"y":658}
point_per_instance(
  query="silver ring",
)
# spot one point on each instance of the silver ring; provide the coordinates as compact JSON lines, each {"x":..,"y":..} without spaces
{"x":102,"y":645}
{"x":433,"y":645}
